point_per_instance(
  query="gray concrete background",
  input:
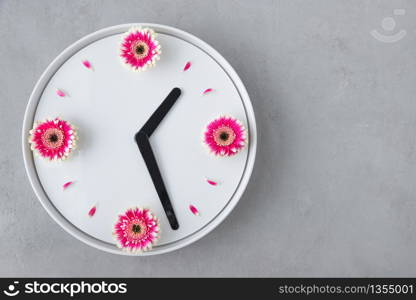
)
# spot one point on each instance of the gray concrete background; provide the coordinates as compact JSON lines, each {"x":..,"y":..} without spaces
{"x":333,"y":191}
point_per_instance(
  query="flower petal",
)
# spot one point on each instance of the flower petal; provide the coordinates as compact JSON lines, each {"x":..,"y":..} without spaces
{"x":67,"y":184}
{"x":60,"y":93}
{"x":187,"y":66}
{"x":92,"y":211}
{"x":207,"y":91}
{"x":194,"y":210}
{"x":212,"y":182}
{"x":87,"y":64}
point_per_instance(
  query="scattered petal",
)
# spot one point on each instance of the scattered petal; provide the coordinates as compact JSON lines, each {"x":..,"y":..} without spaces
{"x":187,"y":66}
{"x":207,"y":91}
{"x":60,"y":93}
{"x":67,"y":184}
{"x":87,"y":64}
{"x":194,"y":210}
{"x":212,"y":182}
{"x":92,"y":211}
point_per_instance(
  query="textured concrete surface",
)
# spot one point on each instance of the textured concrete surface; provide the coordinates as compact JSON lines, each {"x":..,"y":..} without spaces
{"x":333,"y":192}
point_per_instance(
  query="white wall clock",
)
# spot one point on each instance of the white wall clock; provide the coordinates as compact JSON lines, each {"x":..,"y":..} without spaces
{"x":109,"y":104}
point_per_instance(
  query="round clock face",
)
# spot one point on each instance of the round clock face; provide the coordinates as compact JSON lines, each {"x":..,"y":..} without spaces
{"x":109,"y":104}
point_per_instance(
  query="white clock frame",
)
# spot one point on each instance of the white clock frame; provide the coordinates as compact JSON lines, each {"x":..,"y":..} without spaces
{"x":31,"y":110}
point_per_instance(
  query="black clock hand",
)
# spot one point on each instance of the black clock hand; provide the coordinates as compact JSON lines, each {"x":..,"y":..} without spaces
{"x":142,"y":140}
{"x":158,"y":115}
{"x":150,"y":160}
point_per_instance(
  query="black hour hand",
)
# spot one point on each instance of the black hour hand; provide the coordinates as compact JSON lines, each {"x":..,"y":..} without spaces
{"x":158,"y":115}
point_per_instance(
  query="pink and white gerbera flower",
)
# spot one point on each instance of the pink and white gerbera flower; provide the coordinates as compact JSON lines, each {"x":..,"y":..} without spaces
{"x":54,"y":139}
{"x":136,"y":230}
{"x":140,"y":49}
{"x":225,"y":136}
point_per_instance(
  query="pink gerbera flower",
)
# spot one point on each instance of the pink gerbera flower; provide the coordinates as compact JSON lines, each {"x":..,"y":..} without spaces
{"x":225,"y":136}
{"x":136,"y":230}
{"x":139,"y":49}
{"x":53,"y":138}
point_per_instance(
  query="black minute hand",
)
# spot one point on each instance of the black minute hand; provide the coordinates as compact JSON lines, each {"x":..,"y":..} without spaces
{"x":150,"y":160}
{"x":142,"y":140}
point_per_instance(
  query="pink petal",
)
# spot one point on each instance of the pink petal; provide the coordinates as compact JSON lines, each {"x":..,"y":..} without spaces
{"x":212,"y":182}
{"x":67,"y":184}
{"x":92,"y":211}
{"x":207,"y":91}
{"x":87,"y":64}
{"x":187,"y":66}
{"x":194,"y":210}
{"x":60,"y":93}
